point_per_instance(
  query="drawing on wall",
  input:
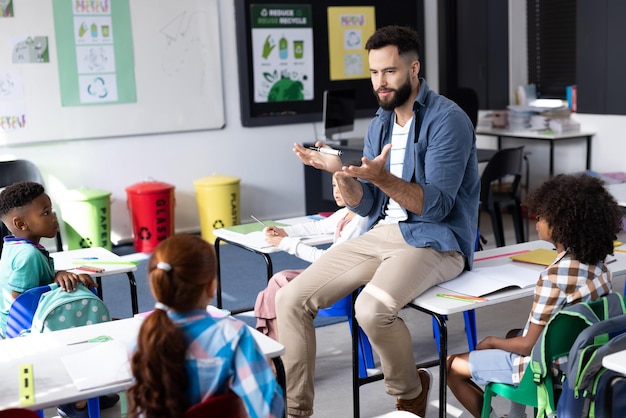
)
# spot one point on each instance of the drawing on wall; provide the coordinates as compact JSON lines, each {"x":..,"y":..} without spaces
{"x":353,"y":25}
{"x":186,"y":46}
{"x":12,"y":116}
{"x":11,"y":85}
{"x":282,"y":51}
{"x":92,"y":34}
{"x":6,"y":8}
{"x":32,"y":49}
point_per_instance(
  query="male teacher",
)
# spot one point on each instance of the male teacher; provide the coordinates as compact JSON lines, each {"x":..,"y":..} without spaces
{"x":419,"y":188}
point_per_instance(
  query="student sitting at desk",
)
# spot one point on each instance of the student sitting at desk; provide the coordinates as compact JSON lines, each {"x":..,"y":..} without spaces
{"x":26,"y":210}
{"x":581,"y":218}
{"x":184,"y":355}
{"x":344,"y":223}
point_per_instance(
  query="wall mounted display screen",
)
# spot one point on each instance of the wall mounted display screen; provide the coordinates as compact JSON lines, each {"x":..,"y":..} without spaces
{"x":291,"y":51}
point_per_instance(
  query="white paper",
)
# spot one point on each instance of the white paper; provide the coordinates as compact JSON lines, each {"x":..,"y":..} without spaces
{"x":104,"y":364}
{"x":485,"y":280}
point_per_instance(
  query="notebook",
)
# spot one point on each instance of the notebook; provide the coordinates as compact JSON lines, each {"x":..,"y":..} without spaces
{"x":541,"y":256}
{"x":485,"y":280}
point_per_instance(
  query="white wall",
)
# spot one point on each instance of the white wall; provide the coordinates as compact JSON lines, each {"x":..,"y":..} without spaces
{"x":272,"y":178}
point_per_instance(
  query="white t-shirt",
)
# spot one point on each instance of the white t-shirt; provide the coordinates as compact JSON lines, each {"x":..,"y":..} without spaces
{"x":395,"y":213}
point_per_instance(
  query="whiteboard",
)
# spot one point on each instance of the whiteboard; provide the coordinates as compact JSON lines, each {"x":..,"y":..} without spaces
{"x":177,"y":75}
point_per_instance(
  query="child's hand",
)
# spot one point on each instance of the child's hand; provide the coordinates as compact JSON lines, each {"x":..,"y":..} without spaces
{"x":87,"y":280}
{"x":68,"y":280}
{"x":274,"y":235}
{"x":274,"y":240}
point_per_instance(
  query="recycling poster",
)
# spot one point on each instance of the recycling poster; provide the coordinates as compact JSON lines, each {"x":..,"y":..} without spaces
{"x":282,"y":52}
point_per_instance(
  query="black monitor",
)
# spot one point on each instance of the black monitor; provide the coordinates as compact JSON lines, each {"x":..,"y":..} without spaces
{"x":339,"y":108}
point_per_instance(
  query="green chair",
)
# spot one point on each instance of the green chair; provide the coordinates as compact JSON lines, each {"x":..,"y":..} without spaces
{"x":561,"y":335}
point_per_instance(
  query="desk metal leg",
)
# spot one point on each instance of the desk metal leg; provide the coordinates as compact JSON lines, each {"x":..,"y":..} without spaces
{"x":608,"y":399}
{"x":100,"y":294}
{"x":357,"y":381}
{"x":588,"y":152}
{"x":268,"y":268}
{"x":133,"y":292}
{"x":281,"y":378}
{"x":551,"y":169}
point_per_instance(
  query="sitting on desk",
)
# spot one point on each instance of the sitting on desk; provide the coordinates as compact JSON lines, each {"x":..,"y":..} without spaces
{"x":344,"y":223}
{"x":26,"y":210}
{"x":579,"y":216}
{"x":184,"y":355}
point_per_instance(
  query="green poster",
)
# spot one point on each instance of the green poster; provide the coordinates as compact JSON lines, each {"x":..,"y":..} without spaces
{"x":95,"y":52}
{"x":282,"y":52}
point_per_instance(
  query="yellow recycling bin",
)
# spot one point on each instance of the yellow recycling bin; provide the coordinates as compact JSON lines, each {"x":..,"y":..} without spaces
{"x":218,"y":203}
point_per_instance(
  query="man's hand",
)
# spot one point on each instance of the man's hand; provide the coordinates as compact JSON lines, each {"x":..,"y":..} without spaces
{"x":326,"y":162}
{"x":370,"y":170}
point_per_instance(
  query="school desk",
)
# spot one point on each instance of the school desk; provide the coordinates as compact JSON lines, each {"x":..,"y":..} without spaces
{"x":98,"y":258}
{"x":255,"y":243}
{"x":53,"y":385}
{"x":439,"y":308}
{"x":617,"y":363}
{"x":551,"y":138}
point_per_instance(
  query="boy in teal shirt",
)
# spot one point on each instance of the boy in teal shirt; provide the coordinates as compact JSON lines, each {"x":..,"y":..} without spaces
{"x":26,"y":210}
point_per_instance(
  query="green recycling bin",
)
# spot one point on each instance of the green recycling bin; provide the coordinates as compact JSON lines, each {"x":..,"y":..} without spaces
{"x":218,"y":203}
{"x":87,"y":217}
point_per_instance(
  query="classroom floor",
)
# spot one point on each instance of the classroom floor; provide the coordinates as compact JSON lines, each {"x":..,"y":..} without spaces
{"x":333,"y":374}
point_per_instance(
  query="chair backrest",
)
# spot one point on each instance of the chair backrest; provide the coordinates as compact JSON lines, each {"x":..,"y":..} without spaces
{"x":225,"y":406}
{"x":20,"y":170}
{"x":467,"y":99}
{"x":505,"y":163}
{"x":22,"y":311}
{"x":18,"y":413}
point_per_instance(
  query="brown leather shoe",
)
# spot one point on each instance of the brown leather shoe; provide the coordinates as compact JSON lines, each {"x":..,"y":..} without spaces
{"x":418,"y":405}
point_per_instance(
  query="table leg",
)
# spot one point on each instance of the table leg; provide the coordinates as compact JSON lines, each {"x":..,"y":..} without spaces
{"x":551,"y":170}
{"x":588,"y":152}
{"x":281,"y":377}
{"x":268,"y":269}
{"x":357,"y":381}
{"x":100,"y":294}
{"x":133,"y":292}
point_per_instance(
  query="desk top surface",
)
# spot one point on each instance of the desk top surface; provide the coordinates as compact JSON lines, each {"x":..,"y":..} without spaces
{"x":616,"y":362}
{"x":53,"y":384}
{"x":498,"y":257}
{"x":619,"y":192}
{"x":96,"y":257}
{"x":256,"y":240}
{"x":532,"y":134}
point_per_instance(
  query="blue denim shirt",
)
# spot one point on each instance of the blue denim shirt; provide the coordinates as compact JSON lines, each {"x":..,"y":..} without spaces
{"x":442,"y":159}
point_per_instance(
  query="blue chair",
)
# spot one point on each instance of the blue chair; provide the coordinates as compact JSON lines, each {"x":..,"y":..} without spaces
{"x":343,"y":307}
{"x":20,"y":319}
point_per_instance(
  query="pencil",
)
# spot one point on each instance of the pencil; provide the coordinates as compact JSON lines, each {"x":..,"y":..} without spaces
{"x":462,"y":298}
{"x":261,"y":222}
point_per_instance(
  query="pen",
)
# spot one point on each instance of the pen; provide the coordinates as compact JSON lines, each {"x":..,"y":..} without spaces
{"x":327,"y":151}
{"x":462,"y":298}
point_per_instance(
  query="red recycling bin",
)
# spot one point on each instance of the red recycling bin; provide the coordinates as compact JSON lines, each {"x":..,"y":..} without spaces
{"x":151,"y":206}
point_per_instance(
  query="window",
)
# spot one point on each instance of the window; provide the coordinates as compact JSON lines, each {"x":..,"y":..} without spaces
{"x":551,"y":46}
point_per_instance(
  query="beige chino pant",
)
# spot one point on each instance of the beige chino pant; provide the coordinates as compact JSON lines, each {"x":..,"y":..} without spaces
{"x":394,"y":273}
